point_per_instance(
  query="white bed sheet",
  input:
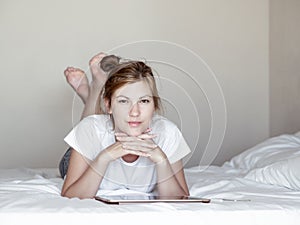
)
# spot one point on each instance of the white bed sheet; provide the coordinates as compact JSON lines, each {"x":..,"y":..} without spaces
{"x":31,"y":196}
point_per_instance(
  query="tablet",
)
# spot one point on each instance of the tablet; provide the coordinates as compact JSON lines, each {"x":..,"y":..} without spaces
{"x":119,"y":199}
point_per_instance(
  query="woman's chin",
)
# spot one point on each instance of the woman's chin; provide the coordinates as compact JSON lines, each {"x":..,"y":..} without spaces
{"x":134,"y":133}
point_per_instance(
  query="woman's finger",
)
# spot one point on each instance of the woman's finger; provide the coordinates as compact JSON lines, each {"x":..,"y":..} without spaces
{"x":127,"y":138}
{"x":120,"y":134}
{"x":139,"y":153}
{"x":133,"y":138}
{"x":147,"y":136}
{"x":139,"y":145}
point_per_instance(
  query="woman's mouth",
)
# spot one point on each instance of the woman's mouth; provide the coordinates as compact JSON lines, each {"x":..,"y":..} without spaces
{"x":134,"y":123}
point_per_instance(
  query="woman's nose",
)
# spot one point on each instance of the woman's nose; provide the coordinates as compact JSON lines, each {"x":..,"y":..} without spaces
{"x":134,"y":111}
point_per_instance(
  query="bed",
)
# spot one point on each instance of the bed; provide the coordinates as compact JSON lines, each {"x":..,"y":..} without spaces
{"x":259,"y":186}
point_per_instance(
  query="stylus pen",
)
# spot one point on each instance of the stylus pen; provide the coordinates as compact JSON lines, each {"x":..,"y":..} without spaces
{"x":229,"y":200}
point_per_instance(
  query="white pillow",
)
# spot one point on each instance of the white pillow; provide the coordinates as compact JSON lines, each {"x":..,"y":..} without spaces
{"x":269,"y":151}
{"x":297,"y":134}
{"x":285,"y":173}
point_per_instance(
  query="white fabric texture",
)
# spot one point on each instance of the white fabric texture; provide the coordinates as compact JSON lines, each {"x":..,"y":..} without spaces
{"x":30,"y":196}
{"x":284,"y":173}
{"x":267,"y":152}
{"x":95,"y":133}
{"x":275,"y":161}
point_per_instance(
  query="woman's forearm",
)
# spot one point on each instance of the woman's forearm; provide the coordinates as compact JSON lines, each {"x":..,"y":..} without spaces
{"x":167,"y":183}
{"x":88,"y":183}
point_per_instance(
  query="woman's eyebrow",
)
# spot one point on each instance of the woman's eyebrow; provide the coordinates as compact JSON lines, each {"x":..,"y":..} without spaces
{"x":122,"y":96}
{"x":146,"y":96}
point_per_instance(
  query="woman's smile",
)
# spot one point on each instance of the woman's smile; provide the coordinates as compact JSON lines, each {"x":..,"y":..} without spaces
{"x":134,"y":123}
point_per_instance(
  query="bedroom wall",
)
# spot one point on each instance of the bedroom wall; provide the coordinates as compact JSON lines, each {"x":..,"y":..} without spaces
{"x":221,"y":103}
{"x":284,"y":67}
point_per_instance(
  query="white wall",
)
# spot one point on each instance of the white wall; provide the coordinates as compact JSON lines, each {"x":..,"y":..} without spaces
{"x":40,"y":38}
{"x":284,"y":66}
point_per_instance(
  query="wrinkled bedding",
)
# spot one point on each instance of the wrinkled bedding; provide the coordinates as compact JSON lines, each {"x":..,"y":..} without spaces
{"x":238,"y":195}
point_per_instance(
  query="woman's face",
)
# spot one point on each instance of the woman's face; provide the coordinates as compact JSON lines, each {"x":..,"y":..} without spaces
{"x":132,"y":108}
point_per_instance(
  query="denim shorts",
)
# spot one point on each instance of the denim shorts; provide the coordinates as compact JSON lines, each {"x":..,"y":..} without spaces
{"x":64,"y":163}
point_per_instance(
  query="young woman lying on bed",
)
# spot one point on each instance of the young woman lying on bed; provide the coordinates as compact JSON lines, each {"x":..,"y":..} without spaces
{"x":121,"y":142}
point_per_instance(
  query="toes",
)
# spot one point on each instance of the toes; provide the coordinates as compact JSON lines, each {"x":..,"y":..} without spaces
{"x":71,"y":73}
{"x":68,"y":70}
{"x":97,"y":58}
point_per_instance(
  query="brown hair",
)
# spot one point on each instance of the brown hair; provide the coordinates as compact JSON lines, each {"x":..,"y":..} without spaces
{"x":120,"y":74}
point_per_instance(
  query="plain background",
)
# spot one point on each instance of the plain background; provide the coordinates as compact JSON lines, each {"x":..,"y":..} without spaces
{"x":229,"y":70}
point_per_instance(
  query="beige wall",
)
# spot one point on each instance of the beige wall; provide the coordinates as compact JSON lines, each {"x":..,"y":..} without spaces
{"x":284,"y":66}
{"x":40,"y":38}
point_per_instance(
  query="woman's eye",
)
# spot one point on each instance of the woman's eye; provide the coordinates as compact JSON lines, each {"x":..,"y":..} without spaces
{"x":123,"y":101}
{"x":144,"y":101}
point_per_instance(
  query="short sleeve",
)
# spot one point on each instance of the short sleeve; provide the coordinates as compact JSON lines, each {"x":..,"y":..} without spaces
{"x":182,"y":150}
{"x":84,"y":139}
{"x":170,"y":139}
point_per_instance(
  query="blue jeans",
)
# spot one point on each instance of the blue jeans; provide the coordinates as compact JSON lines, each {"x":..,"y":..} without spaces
{"x":64,"y":163}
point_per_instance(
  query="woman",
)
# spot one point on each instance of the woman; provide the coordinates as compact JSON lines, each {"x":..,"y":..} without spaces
{"x":129,"y":146}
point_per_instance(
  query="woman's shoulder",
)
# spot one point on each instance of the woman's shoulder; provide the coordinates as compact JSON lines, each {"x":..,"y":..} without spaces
{"x":162,"y":123}
{"x":97,"y":118}
{"x":101,"y":121}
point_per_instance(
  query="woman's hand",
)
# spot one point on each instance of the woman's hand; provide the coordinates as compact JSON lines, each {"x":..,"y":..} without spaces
{"x":168,"y":181}
{"x":142,"y":145}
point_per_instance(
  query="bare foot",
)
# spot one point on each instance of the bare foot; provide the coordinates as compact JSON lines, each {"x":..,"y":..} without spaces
{"x":78,"y":81}
{"x":98,"y":75}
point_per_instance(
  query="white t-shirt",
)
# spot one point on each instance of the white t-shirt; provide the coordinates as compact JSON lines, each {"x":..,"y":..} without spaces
{"x":95,"y":133}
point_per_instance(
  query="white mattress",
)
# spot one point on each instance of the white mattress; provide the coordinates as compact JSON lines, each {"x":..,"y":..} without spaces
{"x":32,"y":196}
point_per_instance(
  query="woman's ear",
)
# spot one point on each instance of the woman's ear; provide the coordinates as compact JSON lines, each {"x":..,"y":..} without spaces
{"x":107,"y":106}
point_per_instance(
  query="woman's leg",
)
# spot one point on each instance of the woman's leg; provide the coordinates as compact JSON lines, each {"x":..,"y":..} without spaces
{"x":89,"y":94}
{"x":92,"y":104}
{"x":78,"y":80}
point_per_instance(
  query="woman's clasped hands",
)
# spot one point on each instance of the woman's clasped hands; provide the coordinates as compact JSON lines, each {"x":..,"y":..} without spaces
{"x":131,"y":147}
